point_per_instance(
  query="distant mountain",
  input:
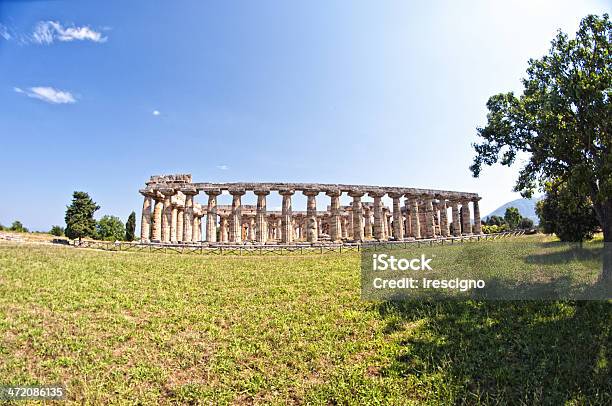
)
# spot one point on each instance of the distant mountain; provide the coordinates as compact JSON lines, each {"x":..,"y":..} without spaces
{"x":525,"y":206}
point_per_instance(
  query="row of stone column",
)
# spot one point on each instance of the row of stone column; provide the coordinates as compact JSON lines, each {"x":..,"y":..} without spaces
{"x":423,"y":216}
{"x":166,"y":221}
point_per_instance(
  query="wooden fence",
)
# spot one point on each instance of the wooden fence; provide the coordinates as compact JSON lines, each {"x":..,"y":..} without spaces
{"x":295,"y":249}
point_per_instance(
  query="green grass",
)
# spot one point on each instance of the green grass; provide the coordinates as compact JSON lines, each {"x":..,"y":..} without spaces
{"x":163,"y":328}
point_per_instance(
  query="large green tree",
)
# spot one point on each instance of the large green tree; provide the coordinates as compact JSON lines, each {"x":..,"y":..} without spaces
{"x":561,"y":122}
{"x":513,"y":217}
{"x":110,"y":228}
{"x":130,"y":227}
{"x":79,"y":216}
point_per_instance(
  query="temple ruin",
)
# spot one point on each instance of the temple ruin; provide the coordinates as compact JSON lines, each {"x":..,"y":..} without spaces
{"x":171,"y":215}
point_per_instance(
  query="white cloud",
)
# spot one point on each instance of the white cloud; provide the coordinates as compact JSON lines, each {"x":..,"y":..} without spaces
{"x":223,"y":167}
{"x":48,"y":94}
{"x":4,"y":32}
{"x":156,"y":112}
{"x":47,"y":32}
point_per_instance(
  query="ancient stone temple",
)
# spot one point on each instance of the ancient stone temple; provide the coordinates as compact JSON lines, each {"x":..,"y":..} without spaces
{"x":170,"y":213}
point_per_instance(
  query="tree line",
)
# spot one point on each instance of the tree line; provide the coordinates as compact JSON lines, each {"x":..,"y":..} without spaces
{"x":80,"y":222}
{"x":511,"y":220}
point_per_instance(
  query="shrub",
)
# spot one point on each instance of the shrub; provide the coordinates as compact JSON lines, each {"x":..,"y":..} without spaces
{"x":110,"y":228}
{"x":567,"y":213}
{"x":495,"y":221}
{"x":18,"y":226}
{"x":526,"y":223}
{"x":57,"y":231}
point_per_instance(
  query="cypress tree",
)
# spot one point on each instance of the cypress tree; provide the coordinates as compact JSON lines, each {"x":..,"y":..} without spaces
{"x":79,"y":216}
{"x":130,"y":227}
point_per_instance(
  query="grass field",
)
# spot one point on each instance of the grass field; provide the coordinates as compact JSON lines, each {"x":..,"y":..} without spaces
{"x":163,"y":328}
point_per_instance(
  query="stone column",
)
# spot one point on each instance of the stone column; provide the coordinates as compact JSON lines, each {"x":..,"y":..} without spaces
{"x":251,"y":223}
{"x":174,"y":223}
{"x":167,"y":214}
{"x":429,"y":219}
{"x":466,"y":221}
{"x":188,"y":214}
{"x":223,"y":232}
{"x":398,"y":221}
{"x":180,"y":214}
{"x":211,"y":215}
{"x":278,"y":228}
{"x":196,"y":227}
{"x":379,"y":230}
{"x":235,"y":226}
{"x":444,"y":231}
{"x":344,"y":222}
{"x":456,"y":223}
{"x":145,"y":222}
{"x":422,"y":218}
{"x":477,"y":226}
{"x":270,"y":228}
{"x":358,"y":234}
{"x":286,"y":219}
{"x":349,"y":227}
{"x":158,"y":210}
{"x":261,"y":221}
{"x":407,"y":222}
{"x":386,"y":223}
{"x":198,"y":223}
{"x":367,"y":214}
{"x":415,"y":224}
{"x":298,"y":229}
{"x":312,"y":223}
{"x":436,"y":217}
{"x":334,"y":229}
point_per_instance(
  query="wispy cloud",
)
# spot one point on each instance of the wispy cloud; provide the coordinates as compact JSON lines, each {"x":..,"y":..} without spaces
{"x":5,"y":33}
{"x":48,"y":94}
{"x":47,"y":32}
{"x":223,"y":167}
{"x":156,"y":112}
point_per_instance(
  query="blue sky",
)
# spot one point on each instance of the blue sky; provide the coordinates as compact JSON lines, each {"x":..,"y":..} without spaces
{"x":98,"y":96}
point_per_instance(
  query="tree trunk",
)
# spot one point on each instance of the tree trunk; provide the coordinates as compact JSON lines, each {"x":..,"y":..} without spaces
{"x":604,"y":212}
{"x":606,"y":273}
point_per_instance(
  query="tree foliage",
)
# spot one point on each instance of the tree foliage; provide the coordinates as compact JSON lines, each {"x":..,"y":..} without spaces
{"x":492,"y":229}
{"x":18,"y":227}
{"x":57,"y":231}
{"x":526,"y":223}
{"x":79,"y":216}
{"x":496,"y":221}
{"x":110,"y":228}
{"x":513,"y":217}
{"x":567,"y":214}
{"x":560,"y":122}
{"x":130,"y":227}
